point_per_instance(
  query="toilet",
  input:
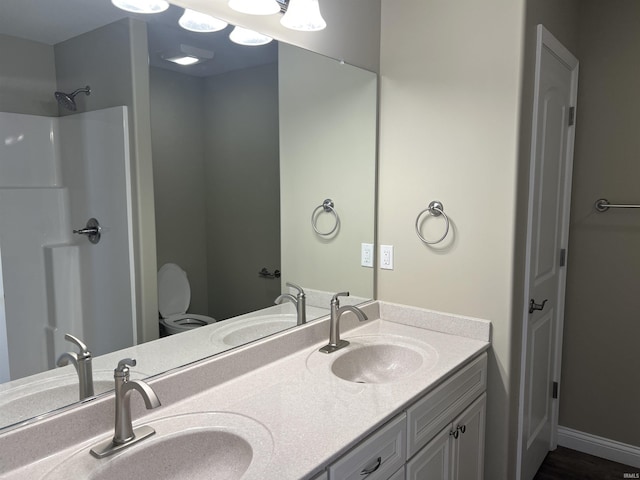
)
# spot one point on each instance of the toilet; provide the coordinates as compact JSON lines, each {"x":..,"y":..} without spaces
{"x":174,"y":296}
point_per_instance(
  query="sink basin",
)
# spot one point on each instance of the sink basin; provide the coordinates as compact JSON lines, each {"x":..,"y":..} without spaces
{"x":239,"y":332}
{"x":380,"y":363}
{"x":195,"y":446}
{"x":376,"y":359}
{"x":31,"y":399}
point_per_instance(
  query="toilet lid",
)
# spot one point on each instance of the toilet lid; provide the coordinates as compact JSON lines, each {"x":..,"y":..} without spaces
{"x":174,"y":293}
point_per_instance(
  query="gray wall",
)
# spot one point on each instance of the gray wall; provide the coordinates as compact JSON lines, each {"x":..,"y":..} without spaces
{"x":243,"y":189}
{"x":177,"y":132}
{"x":450,"y":96}
{"x":27,"y":77}
{"x":113,"y":60}
{"x":600,"y":387}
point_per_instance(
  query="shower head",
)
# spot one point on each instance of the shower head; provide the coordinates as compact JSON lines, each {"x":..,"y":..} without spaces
{"x":66,"y":99}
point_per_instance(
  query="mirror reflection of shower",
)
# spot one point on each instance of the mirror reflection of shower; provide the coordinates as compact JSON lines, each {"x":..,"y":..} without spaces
{"x":67,"y":100}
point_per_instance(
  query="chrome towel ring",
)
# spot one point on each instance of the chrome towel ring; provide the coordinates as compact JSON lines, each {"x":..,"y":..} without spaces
{"x":327,"y":206}
{"x":436,"y":209}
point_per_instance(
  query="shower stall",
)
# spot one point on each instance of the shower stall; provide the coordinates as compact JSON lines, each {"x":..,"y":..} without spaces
{"x":55,"y":174}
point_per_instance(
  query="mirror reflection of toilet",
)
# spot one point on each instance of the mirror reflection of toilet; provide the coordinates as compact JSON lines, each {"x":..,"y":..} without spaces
{"x":174,"y":296}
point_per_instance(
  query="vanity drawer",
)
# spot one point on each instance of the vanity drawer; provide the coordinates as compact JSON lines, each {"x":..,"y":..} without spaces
{"x":386,"y":447}
{"x":430,"y":415}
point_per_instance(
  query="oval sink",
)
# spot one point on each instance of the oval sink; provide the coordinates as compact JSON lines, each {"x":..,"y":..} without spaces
{"x":239,"y":332}
{"x":194,"y":446}
{"x":375,"y":359}
{"x":31,"y":399}
{"x":380,"y":363}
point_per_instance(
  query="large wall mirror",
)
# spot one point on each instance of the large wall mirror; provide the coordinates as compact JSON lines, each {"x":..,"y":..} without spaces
{"x":232,"y":158}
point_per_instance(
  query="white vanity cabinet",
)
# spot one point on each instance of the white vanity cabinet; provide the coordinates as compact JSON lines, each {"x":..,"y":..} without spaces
{"x":438,"y":437}
{"x":376,"y":458}
{"x":457,"y":452}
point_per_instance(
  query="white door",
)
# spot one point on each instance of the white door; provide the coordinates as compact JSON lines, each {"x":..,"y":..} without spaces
{"x":547,"y":237}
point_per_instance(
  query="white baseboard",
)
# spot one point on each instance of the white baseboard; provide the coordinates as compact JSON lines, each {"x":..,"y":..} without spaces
{"x":598,"y":446}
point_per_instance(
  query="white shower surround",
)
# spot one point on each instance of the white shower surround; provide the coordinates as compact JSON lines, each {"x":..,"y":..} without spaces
{"x":56,"y":173}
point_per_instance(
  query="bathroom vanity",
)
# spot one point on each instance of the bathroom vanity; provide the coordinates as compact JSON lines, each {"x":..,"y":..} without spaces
{"x":403,"y":400}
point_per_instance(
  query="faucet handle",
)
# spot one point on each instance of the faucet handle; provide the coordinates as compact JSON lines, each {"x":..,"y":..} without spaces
{"x":122,"y":370}
{"x":297,"y":287}
{"x":335,"y":301}
{"x":84,"y":350}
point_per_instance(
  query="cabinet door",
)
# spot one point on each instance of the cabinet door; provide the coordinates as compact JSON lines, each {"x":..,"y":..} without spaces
{"x":433,"y":462}
{"x":468,"y":448}
{"x":399,"y":475}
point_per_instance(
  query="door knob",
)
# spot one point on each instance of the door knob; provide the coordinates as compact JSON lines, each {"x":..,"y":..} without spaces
{"x":536,"y":306}
{"x":93,"y":231}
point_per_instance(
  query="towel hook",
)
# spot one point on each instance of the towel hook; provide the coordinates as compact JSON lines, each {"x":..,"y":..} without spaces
{"x":327,"y":206}
{"x":436,"y":209}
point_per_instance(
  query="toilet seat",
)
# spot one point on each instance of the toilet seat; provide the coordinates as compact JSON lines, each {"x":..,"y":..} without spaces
{"x":174,"y":296}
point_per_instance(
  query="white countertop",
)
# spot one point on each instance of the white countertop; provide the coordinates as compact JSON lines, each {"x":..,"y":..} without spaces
{"x":312,"y":416}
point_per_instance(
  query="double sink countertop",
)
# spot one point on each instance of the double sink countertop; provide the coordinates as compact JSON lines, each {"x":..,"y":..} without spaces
{"x":279,"y":394}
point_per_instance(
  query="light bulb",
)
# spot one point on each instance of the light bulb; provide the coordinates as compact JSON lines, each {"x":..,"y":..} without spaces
{"x":200,"y":22}
{"x":244,"y":36}
{"x":303,"y":15}
{"x":142,"y":6}
{"x":255,"y":7}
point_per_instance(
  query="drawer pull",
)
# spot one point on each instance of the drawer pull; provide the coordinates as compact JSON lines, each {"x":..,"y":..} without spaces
{"x":454,"y":433}
{"x":369,"y":470}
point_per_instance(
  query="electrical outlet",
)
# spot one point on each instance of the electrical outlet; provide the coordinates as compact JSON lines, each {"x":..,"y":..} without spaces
{"x":386,"y":257}
{"x":366,"y":255}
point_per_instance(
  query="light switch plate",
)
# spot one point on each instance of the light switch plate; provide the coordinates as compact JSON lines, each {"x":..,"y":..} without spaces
{"x":366,"y":255}
{"x":386,"y":257}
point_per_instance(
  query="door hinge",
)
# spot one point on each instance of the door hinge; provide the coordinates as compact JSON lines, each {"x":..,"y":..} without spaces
{"x":555,"y":390}
{"x":563,"y":257}
{"x":572,"y":116}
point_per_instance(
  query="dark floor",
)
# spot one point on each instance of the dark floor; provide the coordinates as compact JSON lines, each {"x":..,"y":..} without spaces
{"x":566,"y":464}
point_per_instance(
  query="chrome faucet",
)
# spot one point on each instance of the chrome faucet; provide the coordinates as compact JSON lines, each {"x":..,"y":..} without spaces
{"x":82,"y":362}
{"x":334,"y":324}
{"x":300,"y":302}
{"x":125,"y":434}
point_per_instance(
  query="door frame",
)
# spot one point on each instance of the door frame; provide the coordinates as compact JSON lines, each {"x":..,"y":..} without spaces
{"x":546,"y":40}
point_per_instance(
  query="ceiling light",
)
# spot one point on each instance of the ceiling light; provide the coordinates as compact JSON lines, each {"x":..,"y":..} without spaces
{"x":200,"y":22}
{"x":142,"y":6}
{"x":303,"y":15}
{"x":244,"y":36}
{"x":255,"y":7}
{"x":183,"y":60}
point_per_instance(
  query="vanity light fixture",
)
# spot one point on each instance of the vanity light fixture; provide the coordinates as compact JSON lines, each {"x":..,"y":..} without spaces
{"x":142,"y":6}
{"x":303,"y":15}
{"x":200,"y":22}
{"x":244,"y":36}
{"x":255,"y":7}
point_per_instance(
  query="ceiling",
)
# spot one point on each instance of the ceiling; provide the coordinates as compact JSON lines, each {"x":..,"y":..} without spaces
{"x":54,"y":21}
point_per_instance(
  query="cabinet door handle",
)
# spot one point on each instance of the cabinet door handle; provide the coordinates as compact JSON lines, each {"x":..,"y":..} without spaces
{"x":462,"y":428}
{"x":454,"y":433}
{"x":372,"y":468}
